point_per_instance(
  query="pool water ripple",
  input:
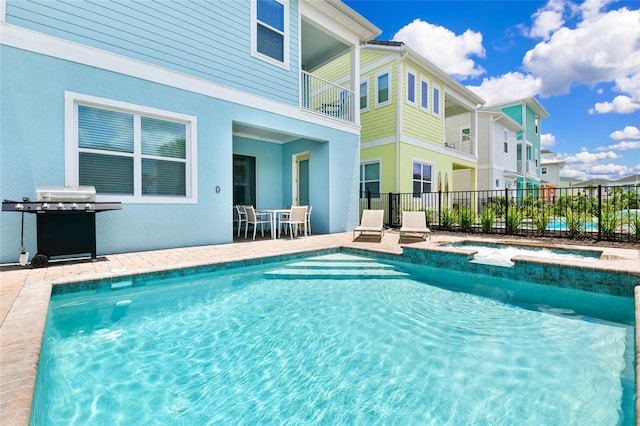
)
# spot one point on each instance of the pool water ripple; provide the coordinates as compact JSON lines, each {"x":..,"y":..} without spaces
{"x":325,"y":351}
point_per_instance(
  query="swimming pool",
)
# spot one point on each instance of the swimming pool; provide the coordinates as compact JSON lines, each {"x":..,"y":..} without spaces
{"x":561,"y":225}
{"x":336,"y":339}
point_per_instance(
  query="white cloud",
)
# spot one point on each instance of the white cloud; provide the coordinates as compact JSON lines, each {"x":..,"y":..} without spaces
{"x":603,"y":47}
{"x":547,"y":20}
{"x":547,"y":140}
{"x":622,"y":146}
{"x":587,"y":157}
{"x":450,"y":52}
{"x":621,"y":104}
{"x":510,"y":86}
{"x":629,"y":132}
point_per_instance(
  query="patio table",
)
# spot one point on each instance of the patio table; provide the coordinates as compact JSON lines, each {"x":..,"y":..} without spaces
{"x":273,"y":216}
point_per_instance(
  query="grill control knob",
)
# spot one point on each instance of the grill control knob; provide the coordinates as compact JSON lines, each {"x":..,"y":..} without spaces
{"x":87,"y":206}
{"x":19,"y":206}
{"x":60,"y":206}
{"x":74,"y":206}
{"x":45,"y":205}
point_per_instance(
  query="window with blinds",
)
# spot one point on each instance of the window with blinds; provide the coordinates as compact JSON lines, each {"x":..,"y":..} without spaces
{"x":130,"y":154}
{"x":270,"y":30}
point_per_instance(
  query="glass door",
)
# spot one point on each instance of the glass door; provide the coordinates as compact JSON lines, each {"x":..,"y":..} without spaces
{"x":244,"y":180}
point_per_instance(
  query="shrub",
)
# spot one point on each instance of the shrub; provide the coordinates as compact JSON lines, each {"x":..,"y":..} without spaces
{"x":447,"y":218}
{"x":576,"y":222}
{"x":514,"y":220}
{"x":466,"y":218}
{"x":487,"y":219}
{"x":541,"y":218}
{"x":609,"y":221}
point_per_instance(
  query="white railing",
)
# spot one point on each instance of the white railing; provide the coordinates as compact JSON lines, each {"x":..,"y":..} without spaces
{"x":530,"y":167}
{"x":458,"y":141}
{"x":324,"y":97}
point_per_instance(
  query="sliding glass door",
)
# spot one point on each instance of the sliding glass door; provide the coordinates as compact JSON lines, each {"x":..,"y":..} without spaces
{"x":244,"y":180}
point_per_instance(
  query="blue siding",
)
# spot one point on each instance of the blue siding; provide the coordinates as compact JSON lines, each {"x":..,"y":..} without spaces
{"x":210,"y":40}
{"x":32,"y":153}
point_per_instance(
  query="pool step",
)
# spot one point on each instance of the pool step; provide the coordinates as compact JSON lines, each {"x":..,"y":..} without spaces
{"x":344,"y":269}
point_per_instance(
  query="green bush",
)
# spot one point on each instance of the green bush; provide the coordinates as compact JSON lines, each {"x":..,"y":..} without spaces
{"x":541,"y":218}
{"x":514,"y":220}
{"x":447,"y":218}
{"x":466,"y":218}
{"x":609,"y":221}
{"x":487,"y":219}
{"x":576,"y":222}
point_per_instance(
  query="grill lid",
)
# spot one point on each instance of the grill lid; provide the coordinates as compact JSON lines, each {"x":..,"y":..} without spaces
{"x":80,"y":193}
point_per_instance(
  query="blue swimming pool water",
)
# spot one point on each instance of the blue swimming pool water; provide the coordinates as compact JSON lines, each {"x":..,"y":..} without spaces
{"x":561,"y":225}
{"x":336,"y":339}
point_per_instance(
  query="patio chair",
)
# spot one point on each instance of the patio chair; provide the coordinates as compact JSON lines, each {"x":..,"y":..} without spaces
{"x":255,"y":219}
{"x":372,"y":223}
{"x":296,"y":219}
{"x":240,"y":216}
{"x":414,"y":224}
{"x":307,"y":224}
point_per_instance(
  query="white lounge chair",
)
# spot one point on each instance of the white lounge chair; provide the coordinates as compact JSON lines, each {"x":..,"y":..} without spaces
{"x":372,"y":223}
{"x":295,"y":219}
{"x":414,"y":224}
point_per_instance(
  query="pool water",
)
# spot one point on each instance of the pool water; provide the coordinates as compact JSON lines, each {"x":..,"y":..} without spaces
{"x":501,"y":254}
{"x":561,"y":225}
{"x":336,"y":339}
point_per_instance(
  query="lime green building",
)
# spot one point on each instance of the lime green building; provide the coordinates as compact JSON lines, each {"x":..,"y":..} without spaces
{"x":418,"y":124}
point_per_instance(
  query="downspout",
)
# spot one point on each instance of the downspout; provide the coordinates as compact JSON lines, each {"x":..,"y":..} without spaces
{"x":399,"y":116}
{"x":491,"y":151}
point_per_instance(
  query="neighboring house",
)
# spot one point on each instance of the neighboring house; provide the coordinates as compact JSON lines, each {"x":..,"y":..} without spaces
{"x":529,"y":113}
{"x":179,"y":109}
{"x":418,"y":124}
{"x":497,"y":150}
{"x":550,"y":167}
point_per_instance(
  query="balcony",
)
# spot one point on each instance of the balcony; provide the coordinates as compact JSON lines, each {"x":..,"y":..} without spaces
{"x":530,"y":167}
{"x":324,"y":97}
{"x":456,"y":140}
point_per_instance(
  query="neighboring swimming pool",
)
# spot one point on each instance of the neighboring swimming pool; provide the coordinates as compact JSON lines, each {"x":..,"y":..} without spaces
{"x":336,"y":339}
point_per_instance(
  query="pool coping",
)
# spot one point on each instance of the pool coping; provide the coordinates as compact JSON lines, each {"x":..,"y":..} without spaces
{"x":27,"y":293}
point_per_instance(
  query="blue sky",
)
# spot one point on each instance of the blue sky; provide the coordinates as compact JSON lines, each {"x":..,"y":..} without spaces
{"x":580,"y":59}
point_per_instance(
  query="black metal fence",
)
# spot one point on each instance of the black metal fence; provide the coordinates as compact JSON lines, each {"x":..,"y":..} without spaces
{"x":596,"y":212}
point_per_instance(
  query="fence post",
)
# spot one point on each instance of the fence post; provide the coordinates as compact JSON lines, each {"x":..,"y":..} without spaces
{"x":440,"y":209}
{"x":368,"y":199}
{"x":506,"y":210}
{"x":390,"y":209}
{"x":599,"y":212}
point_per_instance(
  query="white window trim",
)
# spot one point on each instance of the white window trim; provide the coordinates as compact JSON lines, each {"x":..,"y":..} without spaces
{"x":373,"y":161}
{"x":424,"y":80}
{"x":365,"y":81}
{"x":433,"y":100}
{"x":433,"y":173}
{"x":505,"y":142}
{"x":377,"y":76}
{"x":415,"y":89}
{"x":72,"y":100}
{"x":254,"y":36}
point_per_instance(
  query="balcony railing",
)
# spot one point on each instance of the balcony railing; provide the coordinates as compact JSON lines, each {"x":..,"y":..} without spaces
{"x":324,"y":97}
{"x":458,"y":141}
{"x":530,"y":167}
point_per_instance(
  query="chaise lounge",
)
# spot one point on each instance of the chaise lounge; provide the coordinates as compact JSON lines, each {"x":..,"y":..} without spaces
{"x":371,"y":224}
{"x":414,"y":224}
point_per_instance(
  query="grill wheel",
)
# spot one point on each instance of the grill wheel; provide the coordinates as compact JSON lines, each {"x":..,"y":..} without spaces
{"x":40,"y":261}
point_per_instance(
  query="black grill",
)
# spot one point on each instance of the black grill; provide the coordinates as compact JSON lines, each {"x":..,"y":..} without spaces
{"x":66,"y":223}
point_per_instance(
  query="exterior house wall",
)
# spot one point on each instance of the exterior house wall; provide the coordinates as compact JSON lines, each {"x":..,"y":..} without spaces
{"x":209,"y":40}
{"x":416,"y":122}
{"x":163,"y":57}
{"x":386,"y":156}
{"x":380,"y":121}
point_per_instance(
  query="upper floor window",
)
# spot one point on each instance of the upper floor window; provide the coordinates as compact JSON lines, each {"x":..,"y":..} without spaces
{"x":383,"y":94}
{"x":370,"y":179}
{"x":544,"y":170}
{"x":424,"y":94}
{"x":505,"y":138}
{"x":364,"y":95}
{"x":436,"y":100}
{"x":536,"y":122}
{"x":465,"y":135}
{"x":270,"y":31}
{"x":422,"y":175}
{"x":411,"y":87}
{"x":130,"y":153}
